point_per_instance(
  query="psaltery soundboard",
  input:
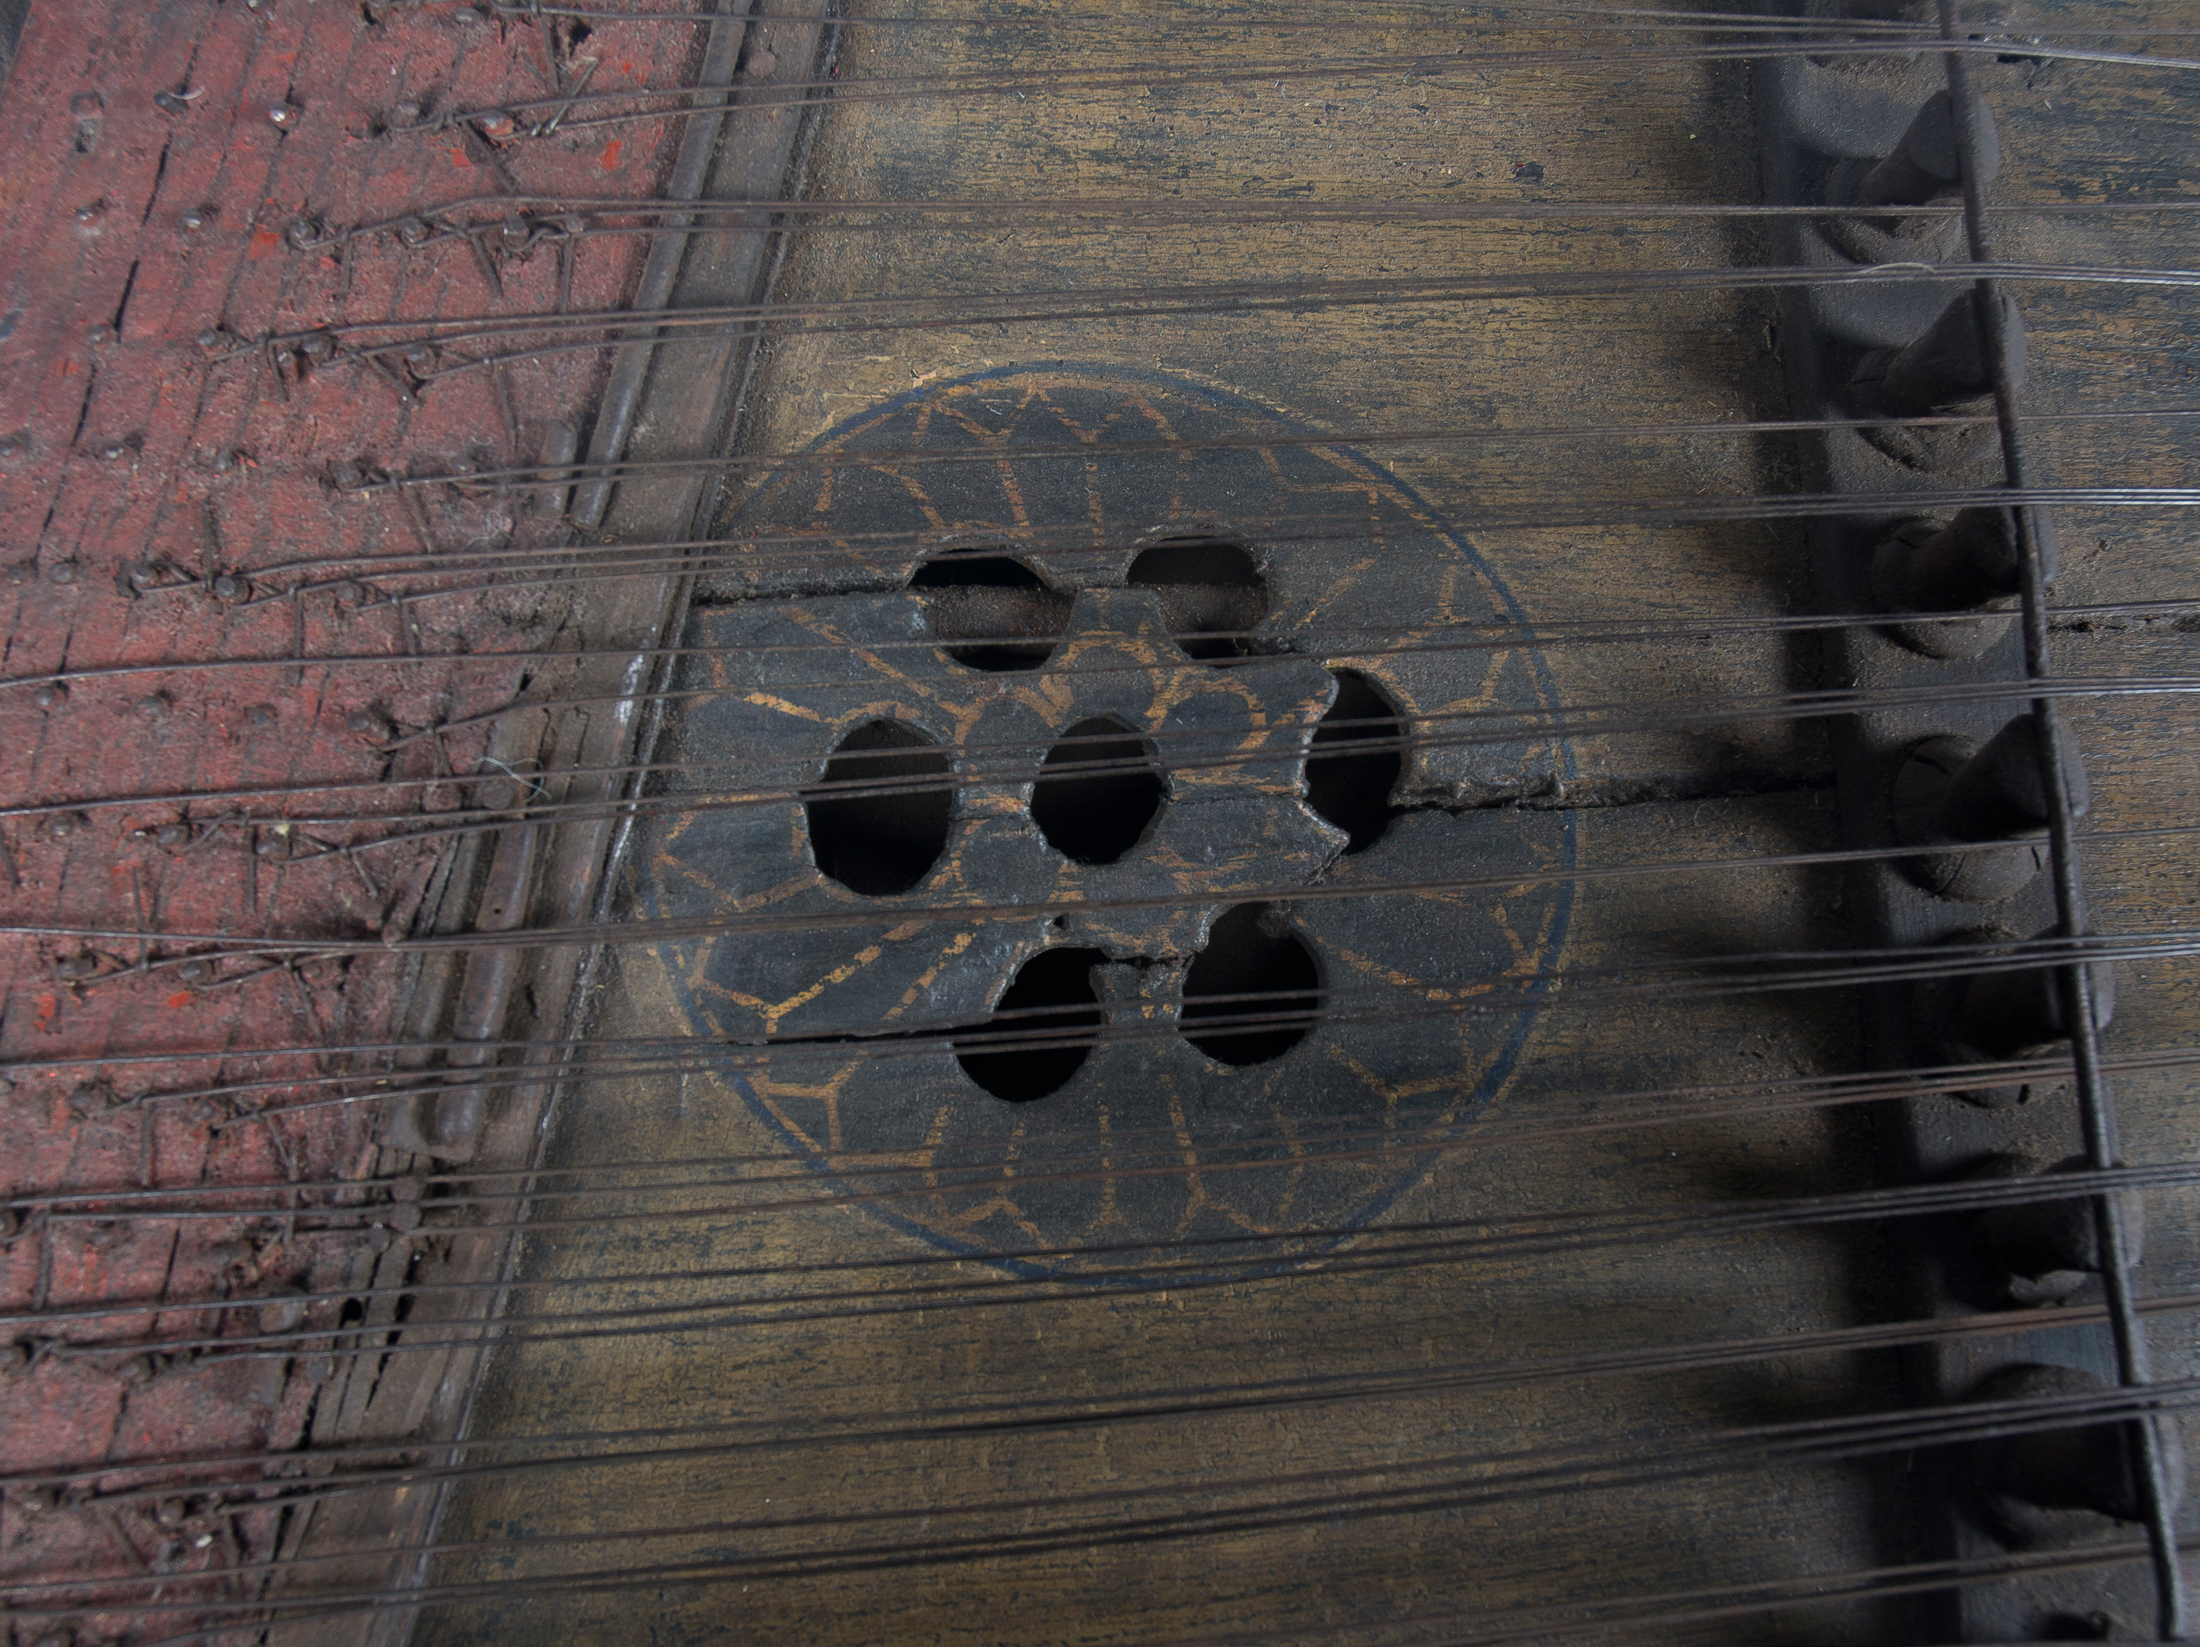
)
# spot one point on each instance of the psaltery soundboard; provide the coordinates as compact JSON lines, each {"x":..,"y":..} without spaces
{"x":1096,"y":824}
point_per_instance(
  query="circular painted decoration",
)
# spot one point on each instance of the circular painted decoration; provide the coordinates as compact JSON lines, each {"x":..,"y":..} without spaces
{"x":1123,"y":667}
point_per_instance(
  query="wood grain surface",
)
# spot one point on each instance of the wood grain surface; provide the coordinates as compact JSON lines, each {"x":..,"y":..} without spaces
{"x":1119,"y":124}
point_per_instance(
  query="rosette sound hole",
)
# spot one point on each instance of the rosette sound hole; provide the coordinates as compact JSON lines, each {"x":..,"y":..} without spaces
{"x":1037,"y":1050}
{"x":1257,"y":977}
{"x":875,"y":825}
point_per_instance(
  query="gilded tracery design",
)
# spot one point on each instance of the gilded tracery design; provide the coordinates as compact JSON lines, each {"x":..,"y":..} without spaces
{"x":1353,"y":562}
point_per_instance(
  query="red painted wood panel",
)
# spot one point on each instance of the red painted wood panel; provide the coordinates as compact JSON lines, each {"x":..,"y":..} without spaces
{"x":122,"y":440}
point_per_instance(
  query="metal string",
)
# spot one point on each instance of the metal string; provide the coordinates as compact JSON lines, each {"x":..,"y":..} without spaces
{"x":1434,"y":13}
{"x":492,"y":477}
{"x":889,"y":554}
{"x":371,"y":1465}
{"x":1335,"y":1494}
{"x":715,"y":323}
{"x":1344,"y":643}
{"x":1617,"y":1111}
{"x":978,"y":766}
{"x":880,"y":913}
{"x":1377,"y":1248}
{"x":1519,"y":1626}
{"x":1348,"y":648}
{"x":431,"y":227}
{"x":569,"y":109}
{"x":1594,"y":1620}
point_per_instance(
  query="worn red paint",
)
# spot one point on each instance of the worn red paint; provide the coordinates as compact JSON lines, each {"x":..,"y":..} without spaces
{"x":155,"y":387}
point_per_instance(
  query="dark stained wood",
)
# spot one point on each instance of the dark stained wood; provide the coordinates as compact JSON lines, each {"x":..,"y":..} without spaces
{"x":1669,"y":134}
{"x":1465,"y":130}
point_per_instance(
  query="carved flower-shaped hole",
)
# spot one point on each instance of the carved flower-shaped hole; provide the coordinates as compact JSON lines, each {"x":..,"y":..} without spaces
{"x":995,"y":609}
{"x":1099,"y":790}
{"x":1042,"y":1030}
{"x":879,"y":821}
{"x":1253,"y":993}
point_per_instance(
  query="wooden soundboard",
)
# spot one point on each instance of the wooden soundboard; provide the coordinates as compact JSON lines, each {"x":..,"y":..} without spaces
{"x":1479,"y":1311}
{"x":1651,"y":136}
